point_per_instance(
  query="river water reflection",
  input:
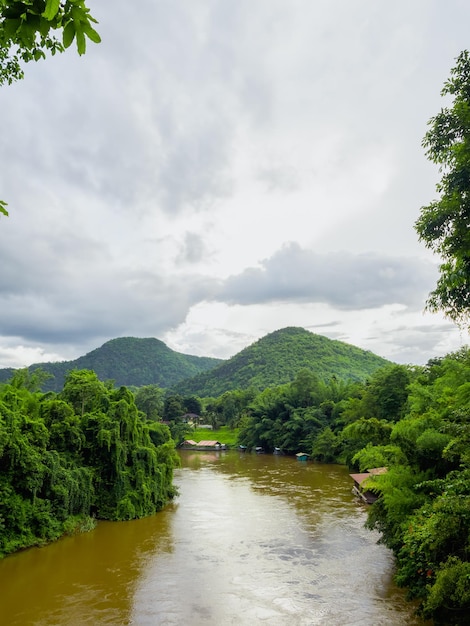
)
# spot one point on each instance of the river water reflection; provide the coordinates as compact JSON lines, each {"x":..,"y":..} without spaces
{"x":251,"y":539}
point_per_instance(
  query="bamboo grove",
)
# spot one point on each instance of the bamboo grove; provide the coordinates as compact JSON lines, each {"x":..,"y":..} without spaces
{"x":67,"y":459}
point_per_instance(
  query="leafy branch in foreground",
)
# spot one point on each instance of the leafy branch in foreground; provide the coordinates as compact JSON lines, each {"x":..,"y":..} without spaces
{"x":444,"y":225}
{"x":30,"y":28}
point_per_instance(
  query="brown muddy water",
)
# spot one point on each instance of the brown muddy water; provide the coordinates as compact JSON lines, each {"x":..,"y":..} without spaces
{"x":251,"y":539}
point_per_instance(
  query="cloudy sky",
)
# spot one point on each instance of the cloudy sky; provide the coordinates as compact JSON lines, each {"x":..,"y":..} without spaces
{"x":216,"y":170}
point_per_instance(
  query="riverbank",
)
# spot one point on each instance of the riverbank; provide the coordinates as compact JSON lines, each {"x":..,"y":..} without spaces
{"x":226,"y":435}
{"x":250,"y":539}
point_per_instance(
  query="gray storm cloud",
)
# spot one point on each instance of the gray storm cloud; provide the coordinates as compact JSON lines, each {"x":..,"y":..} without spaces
{"x":202,"y":130}
{"x":343,"y":280}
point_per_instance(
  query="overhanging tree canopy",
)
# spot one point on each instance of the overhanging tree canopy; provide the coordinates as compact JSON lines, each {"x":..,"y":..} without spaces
{"x":444,"y":225}
{"x":30,"y":28}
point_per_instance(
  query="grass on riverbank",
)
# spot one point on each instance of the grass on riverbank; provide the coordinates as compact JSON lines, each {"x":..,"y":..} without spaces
{"x":224,"y":434}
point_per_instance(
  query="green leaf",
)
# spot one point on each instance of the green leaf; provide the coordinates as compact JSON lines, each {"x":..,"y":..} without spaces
{"x":3,"y":206}
{"x":91,"y":33}
{"x":10,"y":27}
{"x":81,"y":41}
{"x":68,"y":34}
{"x":51,"y":10}
{"x":44,"y":27}
{"x":38,"y":54}
{"x":78,"y":14}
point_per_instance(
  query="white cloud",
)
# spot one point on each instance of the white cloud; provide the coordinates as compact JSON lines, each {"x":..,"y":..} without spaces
{"x":213,"y":171}
{"x":391,"y":331}
{"x":20,"y":355}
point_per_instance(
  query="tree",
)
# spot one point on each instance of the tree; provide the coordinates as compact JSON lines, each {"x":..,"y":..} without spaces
{"x":173,"y":409}
{"x":444,"y":225}
{"x":149,"y":400}
{"x":378,"y":456}
{"x":30,"y":380}
{"x":192,"y":404}
{"x":232,"y":405}
{"x":387,"y":392}
{"x":433,"y":557}
{"x":84,"y":391}
{"x":306,"y":389}
{"x":70,"y":457}
{"x":359,"y":434}
{"x":325,"y":446}
{"x":28,"y":30}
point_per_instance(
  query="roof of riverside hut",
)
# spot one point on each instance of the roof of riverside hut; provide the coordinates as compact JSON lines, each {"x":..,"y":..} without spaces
{"x":375,"y":471}
{"x":360,"y":478}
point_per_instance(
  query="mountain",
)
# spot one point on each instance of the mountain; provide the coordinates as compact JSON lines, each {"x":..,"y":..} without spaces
{"x":277,"y":358}
{"x":128,"y":361}
{"x":272,"y":360}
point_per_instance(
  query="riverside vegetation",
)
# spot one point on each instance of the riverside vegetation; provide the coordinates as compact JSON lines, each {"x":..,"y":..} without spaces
{"x":92,"y":450}
{"x":69,"y":458}
{"x":98,"y":451}
{"x":412,"y":420}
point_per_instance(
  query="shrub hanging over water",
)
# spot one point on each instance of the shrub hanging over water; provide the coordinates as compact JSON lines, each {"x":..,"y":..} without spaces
{"x":86,"y":452}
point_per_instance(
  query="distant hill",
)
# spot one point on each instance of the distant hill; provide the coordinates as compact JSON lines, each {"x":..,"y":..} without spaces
{"x":272,"y":360}
{"x":277,"y":358}
{"x":128,"y":361}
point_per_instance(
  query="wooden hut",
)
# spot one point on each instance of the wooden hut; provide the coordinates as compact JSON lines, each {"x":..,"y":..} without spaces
{"x":205,"y":444}
{"x":361,"y":482}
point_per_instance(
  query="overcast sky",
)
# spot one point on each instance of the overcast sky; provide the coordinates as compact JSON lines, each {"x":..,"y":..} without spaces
{"x":214,"y":171}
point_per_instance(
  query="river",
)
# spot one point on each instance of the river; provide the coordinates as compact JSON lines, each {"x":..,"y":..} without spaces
{"x":250,"y":539}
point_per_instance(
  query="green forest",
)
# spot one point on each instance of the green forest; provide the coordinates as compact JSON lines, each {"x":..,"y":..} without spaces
{"x":93,"y":450}
{"x":414,"y":421}
{"x":128,"y":361}
{"x":277,"y":358}
{"x":98,"y":451}
{"x":71,"y":458}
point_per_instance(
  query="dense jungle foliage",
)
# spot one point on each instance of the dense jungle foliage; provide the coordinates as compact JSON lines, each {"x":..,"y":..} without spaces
{"x":128,"y":361}
{"x":414,"y":421}
{"x":444,"y":224}
{"x":94,"y":450}
{"x":277,"y":358}
{"x":69,"y":458}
